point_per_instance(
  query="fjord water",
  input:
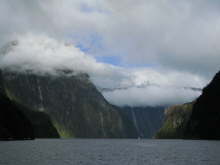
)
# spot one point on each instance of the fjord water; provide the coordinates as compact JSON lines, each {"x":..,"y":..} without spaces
{"x":109,"y":152}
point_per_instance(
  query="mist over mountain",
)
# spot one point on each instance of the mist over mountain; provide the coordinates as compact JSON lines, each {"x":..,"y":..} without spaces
{"x":72,"y":102}
{"x":126,"y":87}
{"x":116,"y":47}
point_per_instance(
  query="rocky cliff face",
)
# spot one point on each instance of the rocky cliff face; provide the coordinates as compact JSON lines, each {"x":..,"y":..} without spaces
{"x":73,"y":103}
{"x":19,"y":122}
{"x":147,"y":120}
{"x":197,"y":120}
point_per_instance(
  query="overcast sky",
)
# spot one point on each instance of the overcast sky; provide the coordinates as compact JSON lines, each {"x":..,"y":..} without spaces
{"x":151,"y":52}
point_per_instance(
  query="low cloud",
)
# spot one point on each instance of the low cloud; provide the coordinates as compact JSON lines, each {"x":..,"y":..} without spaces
{"x":44,"y":54}
{"x":126,"y":86}
{"x":151,"y":96}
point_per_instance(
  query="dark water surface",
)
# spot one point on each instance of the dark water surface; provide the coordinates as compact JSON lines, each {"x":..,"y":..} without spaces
{"x":110,"y":152}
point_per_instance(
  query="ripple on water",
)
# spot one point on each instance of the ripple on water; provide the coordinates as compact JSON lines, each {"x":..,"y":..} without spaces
{"x":109,"y":152}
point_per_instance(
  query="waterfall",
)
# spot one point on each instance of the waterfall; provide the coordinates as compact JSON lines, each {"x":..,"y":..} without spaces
{"x":102,"y":124}
{"x":134,"y":118}
{"x":41,"y":107}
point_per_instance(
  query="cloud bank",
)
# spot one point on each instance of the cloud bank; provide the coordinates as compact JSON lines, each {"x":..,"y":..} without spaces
{"x":151,"y":96}
{"x":126,"y":86}
{"x":175,"y":42}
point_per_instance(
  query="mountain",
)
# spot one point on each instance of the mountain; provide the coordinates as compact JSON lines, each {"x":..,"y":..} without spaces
{"x":41,"y":122}
{"x":14,"y":125}
{"x":147,"y":120}
{"x":197,"y":120}
{"x":176,"y":120}
{"x":205,"y":119}
{"x":74,"y":105}
{"x":21,"y":122}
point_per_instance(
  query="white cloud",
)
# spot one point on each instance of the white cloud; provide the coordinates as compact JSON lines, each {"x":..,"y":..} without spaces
{"x":179,"y":35}
{"x":156,"y":88}
{"x":151,"y":96}
{"x":142,"y":86}
{"x":178,"y":39}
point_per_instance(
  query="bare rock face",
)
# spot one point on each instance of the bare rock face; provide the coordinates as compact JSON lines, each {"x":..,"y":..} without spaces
{"x":73,"y":103}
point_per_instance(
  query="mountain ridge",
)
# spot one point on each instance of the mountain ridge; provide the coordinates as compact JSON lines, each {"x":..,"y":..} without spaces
{"x":75,"y":106}
{"x":200,"y":119}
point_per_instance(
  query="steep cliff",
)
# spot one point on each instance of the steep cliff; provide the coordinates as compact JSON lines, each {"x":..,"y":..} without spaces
{"x":205,"y":119}
{"x":20,"y":122}
{"x":41,"y":123}
{"x":13,"y":123}
{"x":147,"y":120}
{"x":73,"y":103}
{"x":197,"y":120}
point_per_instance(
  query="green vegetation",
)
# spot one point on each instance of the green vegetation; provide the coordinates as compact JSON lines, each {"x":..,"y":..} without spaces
{"x":197,"y":120}
{"x":63,"y":132}
{"x":74,"y":104}
{"x":42,"y":125}
{"x":175,"y":122}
